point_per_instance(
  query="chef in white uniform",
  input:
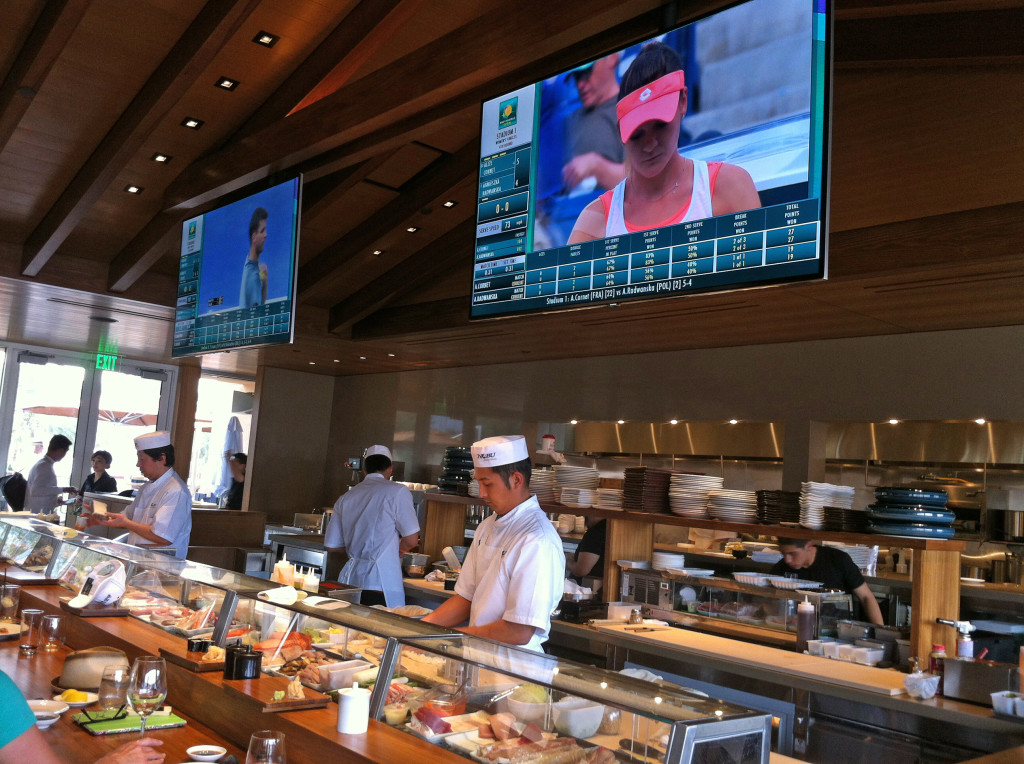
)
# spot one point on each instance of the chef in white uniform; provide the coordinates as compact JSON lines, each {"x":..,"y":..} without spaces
{"x":375,"y":523}
{"x":160,"y":515}
{"x":513,"y":576}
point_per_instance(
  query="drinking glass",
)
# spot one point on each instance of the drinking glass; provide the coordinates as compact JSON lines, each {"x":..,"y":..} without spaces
{"x":266,"y":747}
{"x":31,"y":623}
{"x":147,"y":686}
{"x":113,"y":690}
{"x":9,"y":596}
{"x":53,"y":633}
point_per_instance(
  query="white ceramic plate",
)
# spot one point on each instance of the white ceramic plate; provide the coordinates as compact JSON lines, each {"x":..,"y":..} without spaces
{"x":965,"y":580}
{"x":91,"y":697}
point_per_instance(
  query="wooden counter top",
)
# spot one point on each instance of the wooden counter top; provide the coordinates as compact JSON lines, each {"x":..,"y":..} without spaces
{"x":73,"y":744}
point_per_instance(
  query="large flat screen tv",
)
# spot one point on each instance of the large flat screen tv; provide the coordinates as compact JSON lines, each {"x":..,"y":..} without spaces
{"x":237,"y":273}
{"x":693,"y":161}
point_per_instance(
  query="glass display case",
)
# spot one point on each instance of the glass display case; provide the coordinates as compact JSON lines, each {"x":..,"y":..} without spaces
{"x":491,"y":703}
{"x":694,"y":599}
{"x":478,"y":698}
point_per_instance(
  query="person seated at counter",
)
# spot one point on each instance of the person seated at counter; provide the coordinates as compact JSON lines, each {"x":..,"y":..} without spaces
{"x":160,"y":515}
{"x":375,"y":523}
{"x":99,"y":480}
{"x":589,"y":557}
{"x":21,"y":740}
{"x":236,"y":463}
{"x":512,"y":577}
{"x":802,"y":558}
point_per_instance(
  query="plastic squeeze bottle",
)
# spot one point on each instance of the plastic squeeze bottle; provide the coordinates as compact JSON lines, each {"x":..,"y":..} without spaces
{"x":804,"y":624}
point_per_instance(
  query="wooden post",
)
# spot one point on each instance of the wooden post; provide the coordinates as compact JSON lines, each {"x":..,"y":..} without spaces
{"x":183,"y":427}
{"x":936,"y":594}
{"x":625,"y":540}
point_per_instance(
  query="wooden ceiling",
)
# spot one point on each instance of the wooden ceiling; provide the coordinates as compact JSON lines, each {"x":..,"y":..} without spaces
{"x":376,"y":102}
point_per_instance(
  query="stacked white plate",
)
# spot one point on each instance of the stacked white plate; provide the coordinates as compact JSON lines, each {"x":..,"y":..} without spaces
{"x":688,"y":494}
{"x":543,"y":483}
{"x":733,"y":506}
{"x":577,"y":498}
{"x":863,"y":556}
{"x":474,"y":487}
{"x":608,"y":498}
{"x":665,"y":560}
{"x":576,"y":477}
{"x":815,"y":496}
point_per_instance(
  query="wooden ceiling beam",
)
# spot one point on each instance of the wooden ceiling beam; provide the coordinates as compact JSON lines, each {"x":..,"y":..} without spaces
{"x":155,"y":240}
{"x":338,"y":49}
{"x":420,"y":269}
{"x":406,"y":320}
{"x":187,"y":58}
{"x":428,"y":184}
{"x":447,"y":70}
{"x":983,"y":33}
{"x":320,"y":195}
{"x":53,"y":27}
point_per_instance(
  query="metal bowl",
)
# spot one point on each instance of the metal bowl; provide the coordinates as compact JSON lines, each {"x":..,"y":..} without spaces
{"x":414,"y":571}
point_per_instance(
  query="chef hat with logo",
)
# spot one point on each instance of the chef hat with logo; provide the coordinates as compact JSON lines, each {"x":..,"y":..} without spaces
{"x":502,"y":449}
{"x":378,"y":451}
{"x":157,"y":439}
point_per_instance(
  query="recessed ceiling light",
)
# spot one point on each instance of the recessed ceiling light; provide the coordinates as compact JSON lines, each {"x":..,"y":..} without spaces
{"x":192,"y":123}
{"x":312,"y":363}
{"x":450,"y":203}
{"x":266,"y":39}
{"x":378,"y":252}
{"x":673,"y":421}
{"x":362,"y":358}
{"x":894,"y":421}
{"x":336,"y":360}
{"x":734,"y":421}
{"x":161,"y":158}
{"x":412,"y":229}
{"x":574,"y":421}
{"x":979,"y":421}
{"x":131,"y":188}
{"x":391,"y":355}
{"x":226,"y":83}
{"x":622,"y":421}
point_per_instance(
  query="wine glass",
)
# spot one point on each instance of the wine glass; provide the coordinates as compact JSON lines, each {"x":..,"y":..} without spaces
{"x":147,"y":687}
{"x":266,"y":747}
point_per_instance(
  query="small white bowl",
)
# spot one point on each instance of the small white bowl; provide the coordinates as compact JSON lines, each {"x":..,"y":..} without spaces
{"x":48,"y":706}
{"x":577,"y":717}
{"x":1002,"y":702}
{"x":45,"y":720}
{"x":526,"y":711}
{"x":205,"y":752}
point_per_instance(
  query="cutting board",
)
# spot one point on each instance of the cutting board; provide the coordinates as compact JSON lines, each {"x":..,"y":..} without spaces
{"x":868,"y":678}
{"x":181,"y":658}
{"x":262,"y":692}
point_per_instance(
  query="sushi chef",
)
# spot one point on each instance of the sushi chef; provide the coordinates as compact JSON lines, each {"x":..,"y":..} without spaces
{"x":512,"y":577}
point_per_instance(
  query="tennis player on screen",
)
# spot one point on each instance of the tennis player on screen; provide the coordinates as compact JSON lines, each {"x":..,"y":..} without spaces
{"x":661,"y":187}
{"x":254,"y":273}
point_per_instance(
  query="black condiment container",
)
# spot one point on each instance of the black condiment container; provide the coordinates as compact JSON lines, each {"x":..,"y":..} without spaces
{"x":248,"y":664}
{"x":231,"y":654}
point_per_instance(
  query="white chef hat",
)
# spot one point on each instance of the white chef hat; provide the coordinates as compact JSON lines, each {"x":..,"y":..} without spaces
{"x":152,"y":440}
{"x":502,"y":449}
{"x":378,"y":451}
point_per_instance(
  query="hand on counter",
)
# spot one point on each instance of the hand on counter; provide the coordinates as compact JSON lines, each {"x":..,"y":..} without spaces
{"x":136,"y":752}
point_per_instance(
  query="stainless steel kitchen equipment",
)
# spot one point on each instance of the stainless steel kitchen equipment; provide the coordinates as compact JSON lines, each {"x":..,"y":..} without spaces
{"x":975,"y":681}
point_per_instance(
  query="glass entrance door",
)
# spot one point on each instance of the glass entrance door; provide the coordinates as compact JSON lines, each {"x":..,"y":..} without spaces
{"x":49,"y":397}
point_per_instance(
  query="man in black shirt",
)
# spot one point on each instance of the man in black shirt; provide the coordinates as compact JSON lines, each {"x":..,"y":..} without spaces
{"x":832,"y":567}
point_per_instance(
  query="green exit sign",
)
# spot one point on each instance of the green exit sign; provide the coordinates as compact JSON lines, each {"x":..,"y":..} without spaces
{"x":106,"y":362}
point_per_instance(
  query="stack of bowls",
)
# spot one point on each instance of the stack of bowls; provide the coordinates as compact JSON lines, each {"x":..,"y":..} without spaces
{"x":913,"y":512}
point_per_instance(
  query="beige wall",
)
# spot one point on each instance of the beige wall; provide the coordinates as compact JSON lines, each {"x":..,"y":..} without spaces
{"x":923,"y":376}
{"x":291,"y":429}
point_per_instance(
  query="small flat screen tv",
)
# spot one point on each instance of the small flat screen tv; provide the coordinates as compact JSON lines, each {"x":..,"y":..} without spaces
{"x":589,"y":196}
{"x":237,"y":273}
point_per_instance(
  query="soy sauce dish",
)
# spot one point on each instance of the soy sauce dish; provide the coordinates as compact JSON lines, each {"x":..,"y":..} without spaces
{"x":205,"y":752}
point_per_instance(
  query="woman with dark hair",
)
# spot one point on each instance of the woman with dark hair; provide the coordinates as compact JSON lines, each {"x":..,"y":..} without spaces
{"x":661,"y":187}
{"x":100,"y":481}
{"x":236,"y":463}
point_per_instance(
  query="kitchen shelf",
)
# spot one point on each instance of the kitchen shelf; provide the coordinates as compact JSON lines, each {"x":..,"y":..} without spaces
{"x":630,"y":536}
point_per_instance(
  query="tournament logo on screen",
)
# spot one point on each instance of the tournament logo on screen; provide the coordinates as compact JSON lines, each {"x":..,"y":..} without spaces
{"x":508,"y":111}
{"x":192,"y":230}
